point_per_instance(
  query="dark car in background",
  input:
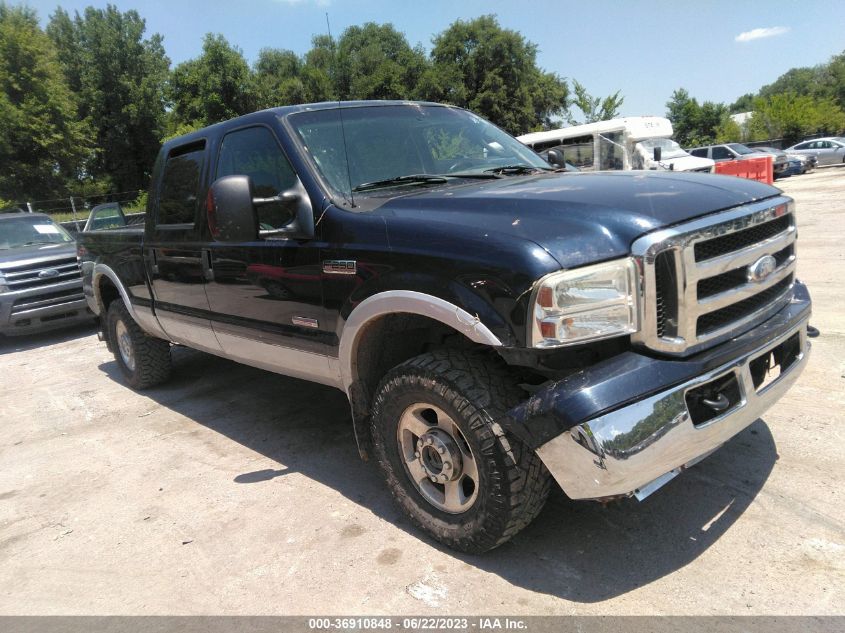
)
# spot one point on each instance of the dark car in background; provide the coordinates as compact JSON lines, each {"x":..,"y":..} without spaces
{"x":780,"y":162}
{"x":40,"y":281}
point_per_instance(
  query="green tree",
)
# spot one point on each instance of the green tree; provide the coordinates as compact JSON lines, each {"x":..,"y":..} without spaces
{"x":42,"y":143}
{"x":744,"y":104}
{"x":216,"y":86}
{"x":119,"y":76}
{"x":592,"y":108}
{"x":375,"y":61}
{"x":728,"y":131}
{"x":792,"y":117}
{"x":683,"y":110}
{"x":278,"y":78}
{"x":320,"y":70}
{"x":493,"y":71}
{"x":694,"y":123}
{"x":801,"y":81}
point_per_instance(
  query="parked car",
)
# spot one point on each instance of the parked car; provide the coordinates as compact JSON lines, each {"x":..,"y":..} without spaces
{"x":808,"y":161}
{"x":738,"y":151}
{"x":800,"y":164}
{"x":40,"y":281}
{"x":828,"y":151}
{"x":494,"y":322}
{"x":780,"y":164}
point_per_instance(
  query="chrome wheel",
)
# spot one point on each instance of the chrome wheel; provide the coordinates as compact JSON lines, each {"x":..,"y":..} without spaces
{"x":124,"y":345}
{"x":437,"y":458}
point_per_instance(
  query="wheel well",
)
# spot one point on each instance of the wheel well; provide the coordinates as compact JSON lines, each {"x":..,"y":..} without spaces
{"x":385,"y":342}
{"x":108,"y":292}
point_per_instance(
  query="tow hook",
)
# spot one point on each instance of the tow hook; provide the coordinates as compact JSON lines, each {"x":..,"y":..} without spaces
{"x":812,"y":332}
{"x":719,"y":403}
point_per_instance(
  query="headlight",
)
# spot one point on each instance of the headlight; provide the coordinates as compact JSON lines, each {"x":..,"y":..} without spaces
{"x":585,"y":304}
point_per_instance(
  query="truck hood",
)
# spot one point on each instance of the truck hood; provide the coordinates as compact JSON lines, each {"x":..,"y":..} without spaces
{"x":36,"y":253}
{"x":578,"y":218}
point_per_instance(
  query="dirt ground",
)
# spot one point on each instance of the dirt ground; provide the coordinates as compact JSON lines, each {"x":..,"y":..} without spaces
{"x":235,"y":491}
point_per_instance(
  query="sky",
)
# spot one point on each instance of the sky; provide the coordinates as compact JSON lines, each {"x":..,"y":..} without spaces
{"x":716,"y":49}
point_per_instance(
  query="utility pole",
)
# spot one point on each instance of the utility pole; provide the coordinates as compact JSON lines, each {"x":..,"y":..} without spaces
{"x":73,"y":208}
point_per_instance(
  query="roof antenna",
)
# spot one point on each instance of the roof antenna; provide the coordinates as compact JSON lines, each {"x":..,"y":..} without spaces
{"x":340,"y":114}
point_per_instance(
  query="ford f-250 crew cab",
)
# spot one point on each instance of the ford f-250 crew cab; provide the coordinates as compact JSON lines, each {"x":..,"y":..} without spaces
{"x":494,"y":324}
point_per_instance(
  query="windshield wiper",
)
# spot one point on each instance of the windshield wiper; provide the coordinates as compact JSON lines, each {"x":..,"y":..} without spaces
{"x":515,"y":169}
{"x":33,"y":243}
{"x":399,"y":180}
{"x":479,"y":175}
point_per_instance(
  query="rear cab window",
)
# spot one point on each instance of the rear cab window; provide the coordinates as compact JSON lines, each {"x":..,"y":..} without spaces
{"x":179,"y":192}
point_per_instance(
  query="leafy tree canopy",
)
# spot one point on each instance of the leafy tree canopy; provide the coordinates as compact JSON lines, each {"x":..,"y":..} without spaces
{"x":481,"y":66}
{"x":119,"y":77}
{"x":592,"y":108}
{"x":216,"y":86}
{"x":42,"y":143}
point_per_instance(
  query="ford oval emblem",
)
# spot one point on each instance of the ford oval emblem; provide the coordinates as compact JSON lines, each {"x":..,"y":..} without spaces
{"x":48,"y":273}
{"x":762,"y":268}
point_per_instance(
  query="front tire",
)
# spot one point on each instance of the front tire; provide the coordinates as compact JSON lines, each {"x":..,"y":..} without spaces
{"x":143,"y":360}
{"x":447,"y":462}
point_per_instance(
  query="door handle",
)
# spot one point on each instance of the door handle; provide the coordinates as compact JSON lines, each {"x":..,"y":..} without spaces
{"x":207,"y":270}
{"x":154,"y":259}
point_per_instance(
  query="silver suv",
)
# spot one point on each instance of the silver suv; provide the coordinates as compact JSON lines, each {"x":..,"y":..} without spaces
{"x":40,"y":280}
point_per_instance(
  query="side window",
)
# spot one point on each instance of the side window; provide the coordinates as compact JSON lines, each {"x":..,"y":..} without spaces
{"x":825,"y":144}
{"x":542,"y":147}
{"x":612,"y":151}
{"x":701,"y":152}
{"x":577,"y":151}
{"x":722,"y":153}
{"x":177,"y":202}
{"x":803,"y":146}
{"x":254,"y":152}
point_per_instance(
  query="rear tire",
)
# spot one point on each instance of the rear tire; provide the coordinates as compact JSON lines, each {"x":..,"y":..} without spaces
{"x":143,"y":360}
{"x":435,"y":415}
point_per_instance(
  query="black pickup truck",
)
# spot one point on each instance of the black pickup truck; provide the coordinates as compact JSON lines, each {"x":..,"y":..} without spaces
{"x":493,"y":322}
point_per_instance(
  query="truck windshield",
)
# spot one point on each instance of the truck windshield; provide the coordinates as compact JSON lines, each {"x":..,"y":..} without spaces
{"x":668,"y":147}
{"x":17,"y":232}
{"x":387,"y":143}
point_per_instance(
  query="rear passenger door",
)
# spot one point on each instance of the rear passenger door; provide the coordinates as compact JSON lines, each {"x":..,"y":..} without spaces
{"x":266,"y":295}
{"x":176,"y":261}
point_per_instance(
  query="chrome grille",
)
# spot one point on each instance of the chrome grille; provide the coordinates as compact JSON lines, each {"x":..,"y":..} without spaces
{"x":708,"y":249}
{"x":25,"y":276}
{"x":696,"y":286}
{"x":47,"y":300}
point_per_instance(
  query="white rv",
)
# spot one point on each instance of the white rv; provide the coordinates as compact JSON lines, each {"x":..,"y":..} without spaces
{"x":640,"y":142}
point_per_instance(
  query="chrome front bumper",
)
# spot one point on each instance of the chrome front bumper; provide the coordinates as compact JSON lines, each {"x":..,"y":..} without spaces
{"x":636,"y":449}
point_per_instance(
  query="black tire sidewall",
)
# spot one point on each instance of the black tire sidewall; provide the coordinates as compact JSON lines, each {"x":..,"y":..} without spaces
{"x":118,"y":313}
{"x":406,"y":388}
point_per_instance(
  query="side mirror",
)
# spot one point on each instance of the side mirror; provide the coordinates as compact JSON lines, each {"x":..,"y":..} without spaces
{"x":231,"y":212}
{"x":554,"y":157}
{"x":658,"y":154}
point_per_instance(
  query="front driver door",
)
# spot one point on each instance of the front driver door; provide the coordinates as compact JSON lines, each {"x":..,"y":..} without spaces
{"x":266,"y":295}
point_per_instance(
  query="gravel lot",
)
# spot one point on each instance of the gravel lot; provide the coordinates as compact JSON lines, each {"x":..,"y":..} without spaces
{"x":232,"y":490}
